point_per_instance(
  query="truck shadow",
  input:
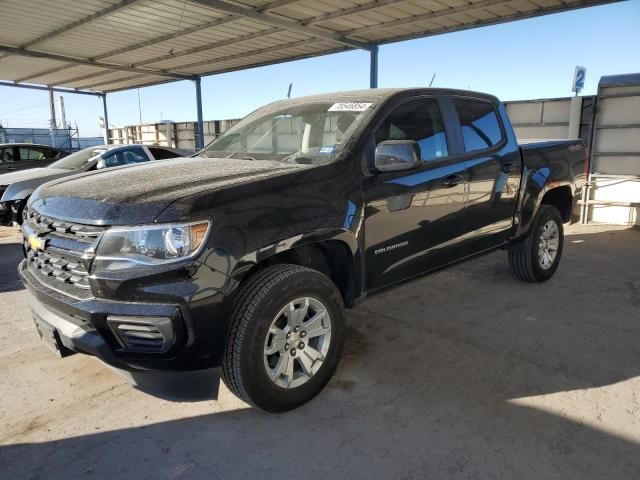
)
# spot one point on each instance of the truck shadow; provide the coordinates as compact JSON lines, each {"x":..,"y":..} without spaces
{"x":463,"y":374}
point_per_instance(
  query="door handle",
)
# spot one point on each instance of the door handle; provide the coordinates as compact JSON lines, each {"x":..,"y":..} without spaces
{"x":452,"y":181}
{"x":11,"y":168}
{"x":509,"y":167}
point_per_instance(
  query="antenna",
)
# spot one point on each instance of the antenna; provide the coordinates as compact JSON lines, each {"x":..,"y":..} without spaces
{"x":432,"y":79}
{"x":289,"y":91}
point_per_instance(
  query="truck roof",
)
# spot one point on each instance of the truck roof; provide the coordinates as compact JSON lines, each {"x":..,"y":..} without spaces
{"x":384,"y":94}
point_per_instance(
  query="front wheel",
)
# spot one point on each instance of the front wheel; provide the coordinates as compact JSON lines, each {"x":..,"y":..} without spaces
{"x":285,"y":339}
{"x":536,"y":258}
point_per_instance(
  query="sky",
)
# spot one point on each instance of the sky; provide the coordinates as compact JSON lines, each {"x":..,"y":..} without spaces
{"x":521,"y":60}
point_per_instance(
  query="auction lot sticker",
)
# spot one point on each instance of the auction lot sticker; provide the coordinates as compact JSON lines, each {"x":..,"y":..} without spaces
{"x":349,"y":107}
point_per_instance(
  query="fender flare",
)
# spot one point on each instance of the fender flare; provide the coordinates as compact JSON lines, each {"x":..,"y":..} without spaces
{"x":248,"y":261}
{"x":527,"y":215}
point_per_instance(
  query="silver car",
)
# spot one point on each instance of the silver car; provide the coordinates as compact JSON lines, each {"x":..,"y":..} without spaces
{"x":16,"y":187}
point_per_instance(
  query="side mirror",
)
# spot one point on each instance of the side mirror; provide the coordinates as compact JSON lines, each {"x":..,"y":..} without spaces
{"x":397,"y":155}
{"x":101,"y":164}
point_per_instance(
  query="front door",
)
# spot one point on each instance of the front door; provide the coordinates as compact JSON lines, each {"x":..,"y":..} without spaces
{"x":413,"y":219}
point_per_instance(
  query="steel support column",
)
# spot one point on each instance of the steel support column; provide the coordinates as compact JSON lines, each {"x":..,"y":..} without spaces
{"x":106,"y":118}
{"x":373,"y":73}
{"x":200,"y":126}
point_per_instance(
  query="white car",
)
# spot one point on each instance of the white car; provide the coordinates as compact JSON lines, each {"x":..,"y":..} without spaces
{"x":16,"y":187}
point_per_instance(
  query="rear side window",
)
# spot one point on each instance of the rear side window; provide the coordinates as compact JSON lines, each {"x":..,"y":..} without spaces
{"x":50,"y":154}
{"x":418,"y":120}
{"x":161,"y":153}
{"x":479,"y":123}
{"x":27,"y":153}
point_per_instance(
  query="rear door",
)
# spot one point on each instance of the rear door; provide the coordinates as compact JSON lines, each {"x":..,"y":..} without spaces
{"x":494,"y":168}
{"x":33,"y":157}
{"x":413,"y":219}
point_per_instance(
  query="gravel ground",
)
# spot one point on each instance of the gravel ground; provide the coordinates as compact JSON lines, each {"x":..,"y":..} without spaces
{"x":466,"y":373}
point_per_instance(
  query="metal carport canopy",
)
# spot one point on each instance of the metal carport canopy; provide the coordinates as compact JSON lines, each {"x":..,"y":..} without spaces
{"x":110,"y":45}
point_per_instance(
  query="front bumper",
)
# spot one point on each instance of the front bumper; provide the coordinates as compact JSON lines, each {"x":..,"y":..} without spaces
{"x":75,"y":334}
{"x":86,"y":326}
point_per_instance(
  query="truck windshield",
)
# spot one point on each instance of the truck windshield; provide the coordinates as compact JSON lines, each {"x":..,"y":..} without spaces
{"x":78,"y":159}
{"x":309,"y":133}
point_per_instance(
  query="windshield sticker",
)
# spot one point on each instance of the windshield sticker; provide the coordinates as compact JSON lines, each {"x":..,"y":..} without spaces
{"x":328,"y":150}
{"x":349,"y":107}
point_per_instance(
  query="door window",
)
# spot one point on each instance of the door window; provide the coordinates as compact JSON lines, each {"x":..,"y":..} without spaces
{"x":128,"y":156}
{"x":418,"y":120}
{"x":479,"y":123}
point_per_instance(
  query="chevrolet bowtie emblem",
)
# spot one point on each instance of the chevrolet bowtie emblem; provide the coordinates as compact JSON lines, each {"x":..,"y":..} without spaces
{"x":36,"y":243}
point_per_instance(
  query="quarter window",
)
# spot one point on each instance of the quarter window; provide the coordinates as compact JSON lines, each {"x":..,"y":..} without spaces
{"x":50,"y":154}
{"x":418,"y":120}
{"x":479,"y":123}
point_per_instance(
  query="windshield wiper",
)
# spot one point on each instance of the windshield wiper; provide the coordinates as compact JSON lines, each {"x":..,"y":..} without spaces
{"x":248,"y":158}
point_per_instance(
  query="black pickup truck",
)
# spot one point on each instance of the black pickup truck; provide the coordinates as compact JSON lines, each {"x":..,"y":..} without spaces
{"x":246,"y":256}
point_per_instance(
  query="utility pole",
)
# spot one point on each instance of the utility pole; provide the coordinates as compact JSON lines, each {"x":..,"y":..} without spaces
{"x":52,"y":119}
{"x":63,"y":117}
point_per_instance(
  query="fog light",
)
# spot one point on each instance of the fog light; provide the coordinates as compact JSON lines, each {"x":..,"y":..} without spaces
{"x":143,"y":334}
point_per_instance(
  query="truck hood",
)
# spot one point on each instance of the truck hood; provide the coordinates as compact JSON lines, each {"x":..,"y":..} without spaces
{"x":133,"y":195}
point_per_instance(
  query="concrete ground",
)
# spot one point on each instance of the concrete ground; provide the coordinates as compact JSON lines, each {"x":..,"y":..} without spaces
{"x":467,"y":373}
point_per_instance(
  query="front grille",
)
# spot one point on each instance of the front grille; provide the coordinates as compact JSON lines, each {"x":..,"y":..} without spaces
{"x":63,"y":262}
{"x":59,"y":267}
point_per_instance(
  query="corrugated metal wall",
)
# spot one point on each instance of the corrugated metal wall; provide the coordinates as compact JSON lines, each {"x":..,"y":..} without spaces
{"x":42,"y":136}
{"x":66,"y":139}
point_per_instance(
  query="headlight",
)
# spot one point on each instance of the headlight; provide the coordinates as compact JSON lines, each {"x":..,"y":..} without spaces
{"x":151,"y":244}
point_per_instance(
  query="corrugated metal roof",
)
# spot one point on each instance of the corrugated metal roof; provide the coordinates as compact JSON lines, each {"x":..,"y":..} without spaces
{"x":108,"y":45}
{"x":620,"y":80}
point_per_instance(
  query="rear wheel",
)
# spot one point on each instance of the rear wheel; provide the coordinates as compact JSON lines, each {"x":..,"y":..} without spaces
{"x":285,"y":339}
{"x":536,"y":258}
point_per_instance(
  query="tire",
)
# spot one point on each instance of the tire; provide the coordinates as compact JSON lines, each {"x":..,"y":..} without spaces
{"x":19,"y":218}
{"x":525,"y":256}
{"x":262,"y":307}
